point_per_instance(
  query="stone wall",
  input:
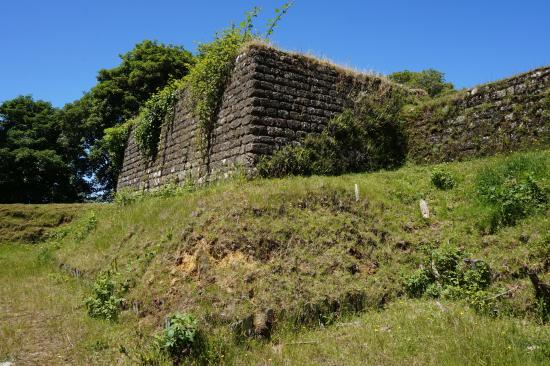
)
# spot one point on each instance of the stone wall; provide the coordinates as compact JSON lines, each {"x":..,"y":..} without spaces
{"x":508,"y":115}
{"x":274,"y":98}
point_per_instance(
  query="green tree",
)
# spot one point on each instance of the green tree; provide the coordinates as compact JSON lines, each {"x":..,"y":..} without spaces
{"x":121,"y":91}
{"x":117,"y":97}
{"x":430,"y":80}
{"x":35,"y":166}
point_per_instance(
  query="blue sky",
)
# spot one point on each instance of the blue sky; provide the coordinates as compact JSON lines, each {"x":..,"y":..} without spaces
{"x":53,"y":49}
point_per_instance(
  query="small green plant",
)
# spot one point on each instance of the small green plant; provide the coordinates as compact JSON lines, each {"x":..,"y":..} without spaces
{"x":418,"y":282}
{"x":181,"y":338}
{"x":104,"y":302}
{"x":85,"y":226}
{"x":443,"y":179}
{"x":44,"y":255}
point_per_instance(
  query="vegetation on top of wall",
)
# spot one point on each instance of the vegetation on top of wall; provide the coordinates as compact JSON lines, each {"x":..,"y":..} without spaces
{"x":207,"y":80}
{"x":430,"y":80}
{"x":366,"y":137}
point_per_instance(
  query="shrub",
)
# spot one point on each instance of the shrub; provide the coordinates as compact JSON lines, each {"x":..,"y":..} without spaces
{"x":181,"y":338}
{"x":104,"y":302}
{"x":367,"y":137}
{"x":512,"y":190}
{"x":445,"y":265}
{"x":476,"y":276}
{"x":448,"y":275}
{"x":418,"y":282}
{"x":443,"y":179}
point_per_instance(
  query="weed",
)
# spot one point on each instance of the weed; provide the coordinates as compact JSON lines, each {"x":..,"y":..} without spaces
{"x":418,"y":282}
{"x":451,"y":276}
{"x":85,"y":226}
{"x":181,"y":338}
{"x":104,"y":302}
{"x":44,"y":255}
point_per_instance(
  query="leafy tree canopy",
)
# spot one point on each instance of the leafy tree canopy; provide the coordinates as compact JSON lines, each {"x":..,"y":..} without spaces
{"x":57,"y":155}
{"x":35,"y":164}
{"x":121,"y":91}
{"x":430,"y":80}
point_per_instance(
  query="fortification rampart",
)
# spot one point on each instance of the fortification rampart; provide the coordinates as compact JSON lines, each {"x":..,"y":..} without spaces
{"x":276,"y":98}
{"x":507,"y":115}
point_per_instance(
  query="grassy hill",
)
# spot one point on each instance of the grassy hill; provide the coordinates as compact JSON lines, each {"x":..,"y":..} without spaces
{"x":298,"y":270}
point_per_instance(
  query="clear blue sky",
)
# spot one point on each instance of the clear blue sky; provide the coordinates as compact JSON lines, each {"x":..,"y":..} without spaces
{"x":53,"y":49}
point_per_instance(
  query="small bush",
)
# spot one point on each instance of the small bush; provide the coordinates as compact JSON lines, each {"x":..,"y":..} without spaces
{"x":418,"y":282}
{"x":443,"y":179}
{"x":445,"y":265}
{"x":104,"y":302}
{"x":476,"y":276}
{"x":430,"y":80}
{"x":181,"y":338}
{"x":449,"y":275}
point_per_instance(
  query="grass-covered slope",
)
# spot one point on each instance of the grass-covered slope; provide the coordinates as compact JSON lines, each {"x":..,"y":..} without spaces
{"x":268,"y":257}
{"x":301,"y":246}
{"x":33,"y":223}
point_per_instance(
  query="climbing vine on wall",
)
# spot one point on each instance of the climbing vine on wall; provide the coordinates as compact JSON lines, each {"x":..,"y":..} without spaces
{"x":152,"y":115}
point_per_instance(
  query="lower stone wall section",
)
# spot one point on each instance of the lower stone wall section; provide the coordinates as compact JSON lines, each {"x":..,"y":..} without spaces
{"x":508,"y":115}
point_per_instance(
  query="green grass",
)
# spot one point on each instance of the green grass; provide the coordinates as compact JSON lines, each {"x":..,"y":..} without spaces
{"x":33,"y":223}
{"x":410,"y":333}
{"x":42,"y":320}
{"x":303,"y":248}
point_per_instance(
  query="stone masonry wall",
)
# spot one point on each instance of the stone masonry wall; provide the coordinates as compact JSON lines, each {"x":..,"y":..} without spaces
{"x":274,"y":98}
{"x":508,"y":115}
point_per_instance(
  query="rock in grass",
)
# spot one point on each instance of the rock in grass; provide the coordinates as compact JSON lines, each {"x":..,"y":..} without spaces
{"x":424,"y":209}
